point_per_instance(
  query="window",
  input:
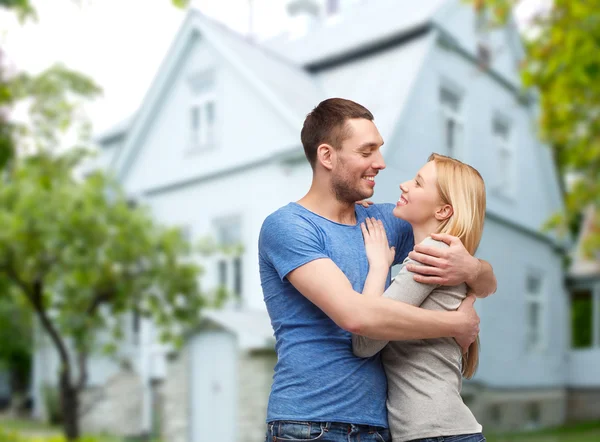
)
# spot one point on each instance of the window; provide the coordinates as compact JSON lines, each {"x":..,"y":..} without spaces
{"x":534,"y":311}
{"x":495,"y":414}
{"x":452,"y":125}
{"x":202,"y":123}
{"x":534,"y":415}
{"x":505,"y":181}
{"x":229,"y":261}
{"x":202,"y":116}
{"x":585,"y":318}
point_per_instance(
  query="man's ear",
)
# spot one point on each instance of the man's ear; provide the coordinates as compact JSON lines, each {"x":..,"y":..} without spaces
{"x":325,"y":154}
{"x":444,"y":212}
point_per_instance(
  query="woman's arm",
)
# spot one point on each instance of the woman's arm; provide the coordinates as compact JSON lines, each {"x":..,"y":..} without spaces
{"x":404,"y":288}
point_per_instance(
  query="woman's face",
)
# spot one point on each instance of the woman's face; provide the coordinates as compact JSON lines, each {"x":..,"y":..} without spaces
{"x":420,"y":199}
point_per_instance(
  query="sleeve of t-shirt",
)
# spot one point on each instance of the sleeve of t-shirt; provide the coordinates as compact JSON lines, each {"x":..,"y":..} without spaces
{"x":288,"y":241}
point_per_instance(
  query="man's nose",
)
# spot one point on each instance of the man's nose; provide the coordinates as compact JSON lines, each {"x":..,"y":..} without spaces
{"x":378,"y":162}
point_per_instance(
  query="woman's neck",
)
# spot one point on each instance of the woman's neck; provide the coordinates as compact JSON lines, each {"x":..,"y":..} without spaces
{"x":422,"y":231}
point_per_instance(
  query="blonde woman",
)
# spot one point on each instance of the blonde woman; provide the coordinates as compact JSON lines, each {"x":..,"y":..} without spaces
{"x":425,"y":376}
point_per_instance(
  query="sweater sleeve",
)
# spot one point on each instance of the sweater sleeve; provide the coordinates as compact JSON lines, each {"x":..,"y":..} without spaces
{"x":404,"y":289}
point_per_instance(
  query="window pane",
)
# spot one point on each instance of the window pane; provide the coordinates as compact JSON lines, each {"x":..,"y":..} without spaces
{"x":195,"y":118}
{"x":501,"y":130}
{"x":533,"y":324}
{"x":450,"y":136}
{"x":449,"y":100}
{"x":222,"y":273}
{"x":229,"y":232}
{"x":533,"y":284}
{"x":209,"y":109}
{"x":581,"y":318}
{"x":237,"y":276}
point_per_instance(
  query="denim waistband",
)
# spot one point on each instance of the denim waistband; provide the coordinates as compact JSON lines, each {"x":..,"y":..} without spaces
{"x":327,"y":426}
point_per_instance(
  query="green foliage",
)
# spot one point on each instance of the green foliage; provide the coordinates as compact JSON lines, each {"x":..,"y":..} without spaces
{"x":82,"y":245}
{"x":562,"y":64}
{"x":17,"y":341}
{"x":51,"y":398}
{"x":13,"y":436}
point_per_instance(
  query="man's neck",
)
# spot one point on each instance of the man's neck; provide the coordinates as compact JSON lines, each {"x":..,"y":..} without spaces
{"x":325,"y":204}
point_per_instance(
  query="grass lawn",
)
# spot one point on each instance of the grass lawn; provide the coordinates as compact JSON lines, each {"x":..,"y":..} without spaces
{"x":33,"y":428}
{"x":586,"y":432}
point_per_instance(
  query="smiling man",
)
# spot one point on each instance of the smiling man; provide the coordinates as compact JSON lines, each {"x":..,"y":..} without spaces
{"x":313,"y":267}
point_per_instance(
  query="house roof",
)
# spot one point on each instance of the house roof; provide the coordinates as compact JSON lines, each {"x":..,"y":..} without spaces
{"x":583,"y":265}
{"x":363,"y":26}
{"x":277,"y":66}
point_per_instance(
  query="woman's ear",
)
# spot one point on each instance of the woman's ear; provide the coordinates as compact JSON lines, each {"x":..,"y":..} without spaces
{"x":325,"y":155}
{"x":444,"y":212}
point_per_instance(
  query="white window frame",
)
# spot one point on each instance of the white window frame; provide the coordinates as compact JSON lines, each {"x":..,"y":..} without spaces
{"x":203,"y":136}
{"x":450,"y":113}
{"x":539,"y":299}
{"x":229,"y":261}
{"x":504,"y":152}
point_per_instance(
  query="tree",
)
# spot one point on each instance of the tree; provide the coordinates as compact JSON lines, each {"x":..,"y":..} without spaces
{"x":80,"y":257}
{"x":73,"y":251}
{"x":562,"y":65}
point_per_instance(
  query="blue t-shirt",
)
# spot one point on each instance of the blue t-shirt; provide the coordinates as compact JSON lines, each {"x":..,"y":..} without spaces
{"x":317,"y":377}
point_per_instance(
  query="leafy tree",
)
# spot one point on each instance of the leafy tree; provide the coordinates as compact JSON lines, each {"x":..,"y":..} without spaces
{"x":73,"y":251}
{"x":80,"y":257}
{"x":562,"y":64}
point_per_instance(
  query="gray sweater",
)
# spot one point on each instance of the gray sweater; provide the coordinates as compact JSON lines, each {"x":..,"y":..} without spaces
{"x":424,"y":376}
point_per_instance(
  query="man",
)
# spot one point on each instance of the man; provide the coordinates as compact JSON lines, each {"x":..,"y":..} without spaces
{"x":313,"y":267}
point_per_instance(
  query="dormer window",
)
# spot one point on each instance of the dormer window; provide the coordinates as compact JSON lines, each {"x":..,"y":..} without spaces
{"x":202,"y":113}
{"x":202,"y":123}
{"x":452,"y":123}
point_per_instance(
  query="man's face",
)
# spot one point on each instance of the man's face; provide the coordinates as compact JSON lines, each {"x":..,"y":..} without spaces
{"x":357,"y":162}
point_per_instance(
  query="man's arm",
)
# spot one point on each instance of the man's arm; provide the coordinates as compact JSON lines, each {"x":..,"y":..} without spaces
{"x":326,"y":286}
{"x":452,"y":266}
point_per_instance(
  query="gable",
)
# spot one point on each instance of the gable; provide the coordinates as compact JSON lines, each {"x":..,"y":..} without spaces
{"x":246,"y":127}
{"x":279,"y":90}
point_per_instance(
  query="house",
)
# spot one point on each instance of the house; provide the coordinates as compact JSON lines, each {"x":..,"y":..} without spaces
{"x":215,"y":148}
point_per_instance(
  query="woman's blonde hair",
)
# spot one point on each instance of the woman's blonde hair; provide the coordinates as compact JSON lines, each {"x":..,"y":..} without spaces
{"x":462,"y":187}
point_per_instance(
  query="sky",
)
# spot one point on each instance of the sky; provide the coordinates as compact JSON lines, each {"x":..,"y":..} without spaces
{"x":121,"y":43}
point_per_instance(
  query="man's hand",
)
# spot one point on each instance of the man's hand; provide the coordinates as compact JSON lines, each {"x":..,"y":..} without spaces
{"x":471,"y":321}
{"x":451,"y":266}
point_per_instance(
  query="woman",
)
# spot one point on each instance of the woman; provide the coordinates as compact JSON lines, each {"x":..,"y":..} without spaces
{"x":425,"y":376}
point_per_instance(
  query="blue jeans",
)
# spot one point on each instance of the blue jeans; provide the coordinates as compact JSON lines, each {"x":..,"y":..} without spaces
{"x":289,"y":431}
{"x":477,"y":437}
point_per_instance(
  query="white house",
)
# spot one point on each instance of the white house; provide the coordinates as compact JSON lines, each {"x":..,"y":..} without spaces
{"x":215,"y":148}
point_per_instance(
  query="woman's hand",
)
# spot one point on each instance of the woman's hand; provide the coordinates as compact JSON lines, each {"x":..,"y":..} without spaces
{"x":379,"y":253}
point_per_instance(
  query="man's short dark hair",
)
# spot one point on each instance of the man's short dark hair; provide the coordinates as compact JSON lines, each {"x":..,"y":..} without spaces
{"x":327,"y":123}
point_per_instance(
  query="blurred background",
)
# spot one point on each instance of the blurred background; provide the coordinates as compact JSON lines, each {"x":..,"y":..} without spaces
{"x":143,"y":143}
